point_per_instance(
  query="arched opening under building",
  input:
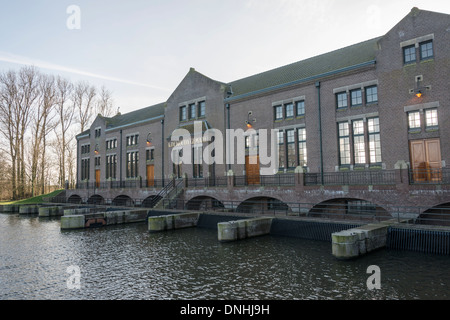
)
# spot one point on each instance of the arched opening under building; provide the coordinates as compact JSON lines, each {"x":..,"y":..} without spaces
{"x":349,"y":209}
{"x":205,"y":203}
{"x":151,"y":201}
{"x":438,"y":216}
{"x":263,"y":205}
{"x":96,"y":199}
{"x":74,"y":199}
{"x":123,"y":201}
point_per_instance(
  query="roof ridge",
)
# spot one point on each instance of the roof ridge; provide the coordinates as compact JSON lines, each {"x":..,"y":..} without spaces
{"x":306,"y":59}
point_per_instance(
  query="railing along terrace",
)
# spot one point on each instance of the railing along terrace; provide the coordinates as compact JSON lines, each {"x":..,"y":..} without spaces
{"x":350,"y":177}
{"x":287,"y":179}
{"x":429,"y":176}
{"x":356,"y":177}
{"x":206,"y":182}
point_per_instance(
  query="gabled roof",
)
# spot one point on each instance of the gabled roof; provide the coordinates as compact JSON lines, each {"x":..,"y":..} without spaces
{"x":141,"y":115}
{"x":313,"y":68}
{"x":122,"y":120}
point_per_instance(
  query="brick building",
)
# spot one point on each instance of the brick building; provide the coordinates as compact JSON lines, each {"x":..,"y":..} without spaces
{"x":370,"y":122}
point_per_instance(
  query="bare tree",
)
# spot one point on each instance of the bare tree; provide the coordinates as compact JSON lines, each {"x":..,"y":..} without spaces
{"x":84,"y":100}
{"x":28,"y":84}
{"x":105,"y":105}
{"x":41,"y":127}
{"x":19,"y":92}
{"x":8,"y":127}
{"x":65,"y":110}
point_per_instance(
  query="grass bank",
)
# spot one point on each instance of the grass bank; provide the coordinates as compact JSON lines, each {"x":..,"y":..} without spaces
{"x":34,"y":200}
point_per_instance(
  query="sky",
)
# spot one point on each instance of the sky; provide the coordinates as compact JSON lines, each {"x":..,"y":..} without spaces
{"x":141,"y":50}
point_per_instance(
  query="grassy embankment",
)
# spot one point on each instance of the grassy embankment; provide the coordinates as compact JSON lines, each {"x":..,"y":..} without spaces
{"x":34,"y":200}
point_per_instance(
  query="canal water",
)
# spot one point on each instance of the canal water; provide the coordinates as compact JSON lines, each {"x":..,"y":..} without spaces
{"x":39,"y":261}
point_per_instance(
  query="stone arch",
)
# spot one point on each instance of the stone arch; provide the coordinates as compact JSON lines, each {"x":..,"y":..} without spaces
{"x":263,"y":205}
{"x":151,"y":201}
{"x":349,"y":209}
{"x":204,"y":203}
{"x":123,"y":201}
{"x":437,"y":215}
{"x":96,"y":199}
{"x":75,"y":199}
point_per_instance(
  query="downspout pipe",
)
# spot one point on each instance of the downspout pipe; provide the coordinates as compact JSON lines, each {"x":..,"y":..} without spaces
{"x":121,"y":157}
{"x":228,"y":127}
{"x":162,"y":150}
{"x":320,"y":131}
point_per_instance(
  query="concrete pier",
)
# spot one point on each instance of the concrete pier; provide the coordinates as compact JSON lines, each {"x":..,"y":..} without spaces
{"x":53,"y":211}
{"x":242,"y":229}
{"x":172,"y":222}
{"x":89,"y":220}
{"x":29,"y":209}
{"x":10,"y":208}
{"x":352,"y":243}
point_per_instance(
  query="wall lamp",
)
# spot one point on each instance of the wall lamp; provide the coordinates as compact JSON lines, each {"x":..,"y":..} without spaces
{"x":419,"y":91}
{"x":149,"y":139}
{"x":248,"y":121}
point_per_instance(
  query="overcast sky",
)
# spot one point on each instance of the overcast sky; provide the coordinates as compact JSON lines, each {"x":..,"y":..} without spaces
{"x":142,"y":49}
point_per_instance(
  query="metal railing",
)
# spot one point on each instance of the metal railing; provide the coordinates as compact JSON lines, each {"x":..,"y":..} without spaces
{"x":350,"y":177}
{"x":429,"y":176}
{"x":356,"y":177}
{"x":287,"y":179}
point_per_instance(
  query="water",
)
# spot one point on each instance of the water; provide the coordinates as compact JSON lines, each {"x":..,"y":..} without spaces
{"x":128,"y":262}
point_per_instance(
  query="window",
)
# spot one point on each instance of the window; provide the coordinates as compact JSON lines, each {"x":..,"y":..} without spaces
{"x":111,"y":144}
{"x":98,"y":133}
{"x":150,"y":154}
{"x":290,"y":140}
{"x":281,"y":152}
{"x":409,"y":54}
{"x":431,"y":118}
{"x":192,"y":111}
{"x":373,"y":125}
{"x":358,"y":142}
{"x":302,"y":153}
{"x":341,"y":100}
{"x":344,"y":143}
{"x":85,"y":169}
{"x":132,"y":164}
{"x":201,"y":109}
{"x":414,"y":120}
{"x":426,"y":50}
{"x":111,"y":166}
{"x":97,"y":161}
{"x":197,"y":167}
{"x":356,"y":97}
{"x":278,"y":113}
{"x":132,"y":140}
{"x":300,"y":108}
{"x":289,"y":110}
{"x":183,"y":113}
{"x":86,"y":149}
{"x":177,"y":163}
{"x":371,"y":94}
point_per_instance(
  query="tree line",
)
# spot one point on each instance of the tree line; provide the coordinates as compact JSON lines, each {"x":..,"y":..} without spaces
{"x":40,"y":115}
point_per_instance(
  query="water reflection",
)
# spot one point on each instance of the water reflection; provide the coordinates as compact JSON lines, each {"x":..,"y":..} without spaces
{"x":127,"y":262}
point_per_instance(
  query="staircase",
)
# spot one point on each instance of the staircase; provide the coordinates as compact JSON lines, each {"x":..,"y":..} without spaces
{"x":167,"y":197}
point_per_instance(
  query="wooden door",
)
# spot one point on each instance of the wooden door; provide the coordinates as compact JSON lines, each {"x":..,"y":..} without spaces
{"x":426,"y":160}
{"x":150,"y":175}
{"x":97,"y":178}
{"x":252,"y":170}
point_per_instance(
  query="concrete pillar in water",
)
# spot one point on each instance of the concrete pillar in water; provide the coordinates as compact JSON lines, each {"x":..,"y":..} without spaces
{"x":72,"y":222}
